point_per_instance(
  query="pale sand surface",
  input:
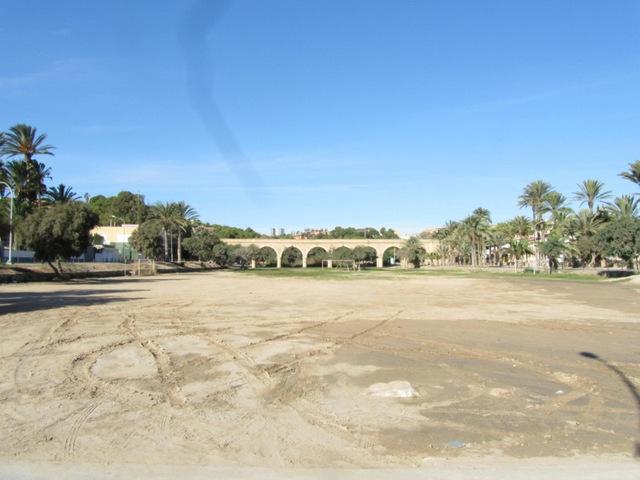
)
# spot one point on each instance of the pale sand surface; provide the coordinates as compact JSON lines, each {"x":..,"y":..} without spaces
{"x":224,"y":375}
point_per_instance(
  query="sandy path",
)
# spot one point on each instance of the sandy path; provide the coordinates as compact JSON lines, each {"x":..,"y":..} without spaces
{"x":225,"y":370}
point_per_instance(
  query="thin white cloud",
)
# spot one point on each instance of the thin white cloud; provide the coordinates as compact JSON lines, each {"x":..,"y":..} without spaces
{"x":28,"y":82}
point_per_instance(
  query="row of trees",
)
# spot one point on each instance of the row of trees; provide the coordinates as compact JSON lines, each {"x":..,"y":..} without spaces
{"x":606,"y":230}
{"x":345,"y":233}
{"x":55,"y":222}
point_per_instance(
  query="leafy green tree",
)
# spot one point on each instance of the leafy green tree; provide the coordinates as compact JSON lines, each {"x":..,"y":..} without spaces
{"x":620,"y":238}
{"x":146,"y":240}
{"x":58,"y":233}
{"x":316,"y":256}
{"x":244,"y":256}
{"x":341,"y":253}
{"x":388,"y":233}
{"x":363,"y":254}
{"x":225,"y":231}
{"x":130,"y":207}
{"x":266,"y":257}
{"x":221,"y":254}
{"x":103,"y":207}
{"x":201,"y":244}
{"x":291,"y":257}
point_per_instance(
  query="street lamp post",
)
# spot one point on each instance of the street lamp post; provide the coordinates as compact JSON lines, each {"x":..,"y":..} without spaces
{"x":10,"y":222}
{"x":124,"y":236}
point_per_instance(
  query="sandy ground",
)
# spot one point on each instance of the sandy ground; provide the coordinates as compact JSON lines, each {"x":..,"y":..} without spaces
{"x":222,"y":374}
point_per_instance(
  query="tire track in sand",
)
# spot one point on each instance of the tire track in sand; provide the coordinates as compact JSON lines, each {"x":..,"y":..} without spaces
{"x":72,"y":437}
{"x":166,"y":373}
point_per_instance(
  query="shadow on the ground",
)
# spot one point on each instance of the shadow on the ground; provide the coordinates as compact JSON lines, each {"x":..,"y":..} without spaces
{"x":19,"y":302}
{"x":628,"y":383}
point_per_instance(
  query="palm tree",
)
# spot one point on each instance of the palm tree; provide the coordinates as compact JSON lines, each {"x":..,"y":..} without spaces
{"x":449,"y":239}
{"x":412,"y":251}
{"x":27,"y":182}
{"x":519,"y":248}
{"x":60,"y":194}
{"x":23,"y":140}
{"x":165,"y":215}
{"x":634,"y":173}
{"x":498,"y":240}
{"x":624,"y":206}
{"x":476,"y":227}
{"x":184,"y":215}
{"x":583,"y":227}
{"x":534,"y":196}
{"x":591,"y":191}
{"x":556,"y":204}
{"x":519,"y":227}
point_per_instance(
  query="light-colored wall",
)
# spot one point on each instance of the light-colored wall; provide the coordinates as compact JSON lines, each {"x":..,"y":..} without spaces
{"x":113,"y":235}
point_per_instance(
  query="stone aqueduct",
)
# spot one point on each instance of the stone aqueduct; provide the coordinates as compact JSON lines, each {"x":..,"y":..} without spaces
{"x":305,"y":246}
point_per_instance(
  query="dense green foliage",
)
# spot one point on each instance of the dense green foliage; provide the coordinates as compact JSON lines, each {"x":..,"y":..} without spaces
{"x":620,"y":238}
{"x":147,"y":241}
{"x":59,"y":232}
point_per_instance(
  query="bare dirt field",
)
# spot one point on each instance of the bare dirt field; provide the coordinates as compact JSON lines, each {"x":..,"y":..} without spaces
{"x":371,"y":373}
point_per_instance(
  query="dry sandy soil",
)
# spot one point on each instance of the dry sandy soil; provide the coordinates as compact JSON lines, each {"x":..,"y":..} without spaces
{"x":226,"y":373}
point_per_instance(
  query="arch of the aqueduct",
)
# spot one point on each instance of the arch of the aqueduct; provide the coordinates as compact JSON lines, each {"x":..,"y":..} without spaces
{"x":305,"y":246}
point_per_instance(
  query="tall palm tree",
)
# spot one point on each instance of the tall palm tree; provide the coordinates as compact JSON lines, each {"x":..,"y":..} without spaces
{"x":27,"y":182}
{"x":498,"y":241}
{"x":624,"y":206}
{"x":634,"y":173}
{"x":519,"y":227}
{"x":184,"y":215}
{"x":23,"y":140}
{"x":556,"y":204}
{"x":585,"y":225}
{"x":519,"y":249}
{"x":534,"y":196}
{"x":60,"y":194}
{"x":591,"y":191}
{"x":165,"y":215}
{"x":476,"y":227}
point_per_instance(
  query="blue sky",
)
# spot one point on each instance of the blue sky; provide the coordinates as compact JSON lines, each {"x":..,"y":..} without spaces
{"x":319,"y":113}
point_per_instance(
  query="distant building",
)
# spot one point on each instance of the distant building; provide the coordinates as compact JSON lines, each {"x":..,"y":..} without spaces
{"x":117,"y":237}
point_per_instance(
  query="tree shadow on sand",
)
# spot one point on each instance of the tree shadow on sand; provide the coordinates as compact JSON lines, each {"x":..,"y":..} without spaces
{"x":628,"y":383}
{"x":23,"y":302}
